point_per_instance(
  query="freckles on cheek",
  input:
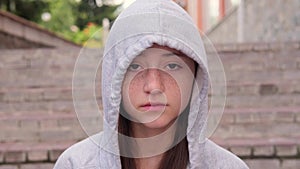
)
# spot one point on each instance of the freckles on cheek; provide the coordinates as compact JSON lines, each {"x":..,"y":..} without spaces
{"x":133,"y":87}
{"x":173,"y":88}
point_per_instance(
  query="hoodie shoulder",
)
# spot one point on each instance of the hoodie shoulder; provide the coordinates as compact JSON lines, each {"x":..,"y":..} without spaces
{"x":83,"y":154}
{"x":219,"y":158}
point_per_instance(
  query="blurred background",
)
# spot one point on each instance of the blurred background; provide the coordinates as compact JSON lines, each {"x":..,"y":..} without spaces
{"x":258,"y":42}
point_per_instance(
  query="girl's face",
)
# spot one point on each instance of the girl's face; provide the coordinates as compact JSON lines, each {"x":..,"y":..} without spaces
{"x":157,"y":86}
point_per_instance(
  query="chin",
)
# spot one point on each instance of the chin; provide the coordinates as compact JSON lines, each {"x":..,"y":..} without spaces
{"x":159,"y":124}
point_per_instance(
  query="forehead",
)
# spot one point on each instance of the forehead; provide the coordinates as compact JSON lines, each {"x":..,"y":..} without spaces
{"x":157,"y":50}
{"x":162,"y":49}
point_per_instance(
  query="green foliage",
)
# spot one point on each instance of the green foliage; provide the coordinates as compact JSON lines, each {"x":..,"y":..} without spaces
{"x":89,"y":12}
{"x":62,"y":16}
{"x":66,"y":16}
{"x":28,"y":9}
{"x":90,"y":36}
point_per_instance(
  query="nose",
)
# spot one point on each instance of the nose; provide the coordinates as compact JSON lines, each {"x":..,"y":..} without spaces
{"x":153,"y":81}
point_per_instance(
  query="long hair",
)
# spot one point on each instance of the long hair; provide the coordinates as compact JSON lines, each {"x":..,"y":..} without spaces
{"x":176,"y":158}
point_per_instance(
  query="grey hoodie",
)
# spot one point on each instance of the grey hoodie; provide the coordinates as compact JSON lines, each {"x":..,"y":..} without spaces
{"x":137,"y":28}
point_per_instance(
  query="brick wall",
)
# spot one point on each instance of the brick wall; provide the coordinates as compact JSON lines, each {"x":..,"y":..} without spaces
{"x":260,"y":123}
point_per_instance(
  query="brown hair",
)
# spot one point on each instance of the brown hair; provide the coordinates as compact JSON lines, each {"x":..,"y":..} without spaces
{"x":176,"y":158}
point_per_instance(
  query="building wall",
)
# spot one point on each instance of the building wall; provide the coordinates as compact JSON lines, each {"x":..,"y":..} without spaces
{"x":12,"y":42}
{"x":226,"y":30}
{"x":264,"y":21}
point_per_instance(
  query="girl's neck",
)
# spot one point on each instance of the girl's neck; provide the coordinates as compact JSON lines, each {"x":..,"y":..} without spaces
{"x":151,"y":144}
{"x":149,"y":162}
{"x":139,"y":130}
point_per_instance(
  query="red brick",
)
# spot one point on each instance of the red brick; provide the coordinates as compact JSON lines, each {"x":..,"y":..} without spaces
{"x":286,"y":150}
{"x":1,"y":157}
{"x":298,"y":117}
{"x":78,"y":133}
{"x":55,"y":134}
{"x":14,"y":62}
{"x":262,"y":101}
{"x":15,"y":157}
{"x":290,"y":164}
{"x":245,"y":47}
{"x":284,"y":117}
{"x":263,"y":151}
{"x":223,"y":131}
{"x":37,"y":155}
{"x":14,"y":96}
{"x":20,"y":134}
{"x":29,"y":124}
{"x":261,"y":47}
{"x":54,"y":154}
{"x":33,"y":95}
{"x":9,"y":167}
{"x":242,"y":89}
{"x":227,"y":119}
{"x":7,"y":124}
{"x":45,"y":106}
{"x":227,"y":48}
{"x":254,"y":117}
{"x":37,"y":166}
{"x":58,"y":94}
{"x":291,"y":75}
{"x":263,"y":117}
{"x":48,"y":123}
{"x":69,"y":122}
{"x":244,"y":118}
{"x":241,"y":150}
{"x":263,"y":163}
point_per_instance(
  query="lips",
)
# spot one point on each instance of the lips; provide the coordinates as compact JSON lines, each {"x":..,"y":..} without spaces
{"x":154,"y":106}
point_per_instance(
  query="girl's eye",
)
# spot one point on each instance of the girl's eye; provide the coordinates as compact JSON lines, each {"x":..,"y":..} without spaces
{"x":135,"y":67}
{"x":173,"y":66}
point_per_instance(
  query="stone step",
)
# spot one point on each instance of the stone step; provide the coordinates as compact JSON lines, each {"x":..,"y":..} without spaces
{"x":43,"y":126}
{"x":255,"y":123}
{"x":49,"y":151}
{"x":47,"y":106}
{"x":60,"y":98}
{"x":255,"y":61}
{"x":56,"y":93}
{"x":32,"y":152}
{"x":275,"y":147}
{"x":263,"y":76}
{"x":44,"y":67}
{"x":260,"y":89}
{"x":248,"y":101}
{"x":263,"y":101}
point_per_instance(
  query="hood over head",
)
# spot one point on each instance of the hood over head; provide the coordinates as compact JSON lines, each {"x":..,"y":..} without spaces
{"x":144,"y":23}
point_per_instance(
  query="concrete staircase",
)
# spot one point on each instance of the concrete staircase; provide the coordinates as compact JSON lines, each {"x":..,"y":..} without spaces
{"x":261,"y":122}
{"x":262,"y":115}
{"x":37,"y":116}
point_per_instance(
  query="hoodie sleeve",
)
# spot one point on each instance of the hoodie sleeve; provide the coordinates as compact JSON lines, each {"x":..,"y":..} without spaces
{"x":63,"y":162}
{"x":219,"y":158}
{"x":82,"y":155}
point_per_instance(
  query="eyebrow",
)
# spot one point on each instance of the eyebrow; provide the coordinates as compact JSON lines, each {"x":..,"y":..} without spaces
{"x":173,"y":53}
